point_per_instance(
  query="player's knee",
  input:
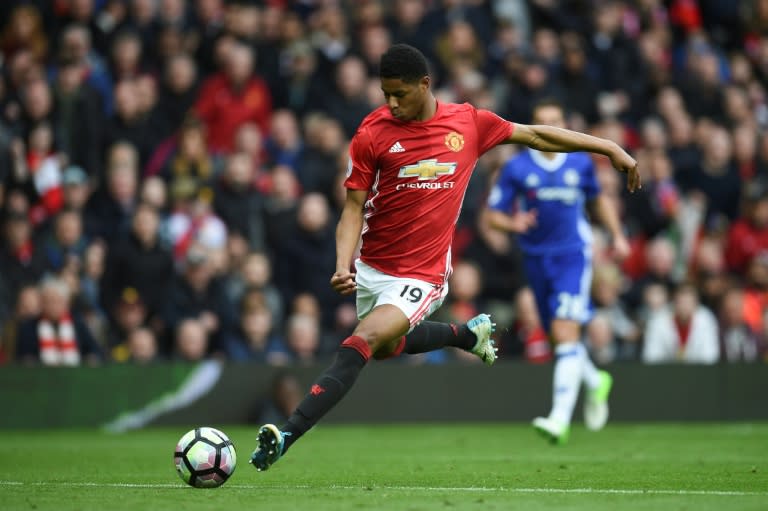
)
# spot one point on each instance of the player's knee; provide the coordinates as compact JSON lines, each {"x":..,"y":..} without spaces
{"x":374,"y":340}
{"x":565,"y":331}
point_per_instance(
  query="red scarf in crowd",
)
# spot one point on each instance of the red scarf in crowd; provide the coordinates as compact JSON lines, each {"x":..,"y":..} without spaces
{"x":58,"y":345}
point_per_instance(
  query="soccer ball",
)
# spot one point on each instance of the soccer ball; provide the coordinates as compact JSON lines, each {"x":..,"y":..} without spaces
{"x":205,"y":458}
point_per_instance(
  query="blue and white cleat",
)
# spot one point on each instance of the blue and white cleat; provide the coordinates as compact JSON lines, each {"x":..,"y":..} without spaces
{"x":271,"y":444}
{"x":482,"y":327}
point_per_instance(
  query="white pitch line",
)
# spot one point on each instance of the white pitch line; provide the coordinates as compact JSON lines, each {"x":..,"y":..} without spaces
{"x":592,"y":491}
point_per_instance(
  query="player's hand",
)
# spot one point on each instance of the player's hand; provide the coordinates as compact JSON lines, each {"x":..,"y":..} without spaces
{"x":621,"y":248}
{"x":343,"y":282}
{"x":521,"y":221}
{"x":624,"y":163}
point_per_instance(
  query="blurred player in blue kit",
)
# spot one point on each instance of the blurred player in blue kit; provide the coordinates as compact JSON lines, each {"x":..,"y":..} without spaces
{"x":542,"y":197}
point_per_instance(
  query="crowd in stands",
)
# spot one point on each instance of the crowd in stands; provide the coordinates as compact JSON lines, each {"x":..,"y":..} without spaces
{"x":171,"y":171}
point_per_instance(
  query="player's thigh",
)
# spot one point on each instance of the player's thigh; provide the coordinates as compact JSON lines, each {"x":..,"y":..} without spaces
{"x":414,"y":299}
{"x":539,"y":282}
{"x":571,"y":279}
{"x":383,"y":327}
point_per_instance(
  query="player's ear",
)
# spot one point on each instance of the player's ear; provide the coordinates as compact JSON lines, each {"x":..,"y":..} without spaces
{"x":424,"y":83}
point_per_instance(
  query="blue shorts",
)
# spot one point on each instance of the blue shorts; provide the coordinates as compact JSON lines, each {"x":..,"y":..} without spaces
{"x":561,"y":284}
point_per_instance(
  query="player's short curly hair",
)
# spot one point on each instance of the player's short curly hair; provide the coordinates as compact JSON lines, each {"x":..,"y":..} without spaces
{"x":404,"y":62}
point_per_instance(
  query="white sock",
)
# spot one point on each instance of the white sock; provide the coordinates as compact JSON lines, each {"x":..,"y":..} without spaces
{"x":566,"y":381}
{"x":590,"y":373}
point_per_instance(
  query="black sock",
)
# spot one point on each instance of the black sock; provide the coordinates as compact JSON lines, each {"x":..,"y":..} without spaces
{"x":328,"y":389}
{"x":431,"y":336}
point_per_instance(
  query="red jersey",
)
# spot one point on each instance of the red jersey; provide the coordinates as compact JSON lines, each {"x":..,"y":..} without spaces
{"x":416,"y":173}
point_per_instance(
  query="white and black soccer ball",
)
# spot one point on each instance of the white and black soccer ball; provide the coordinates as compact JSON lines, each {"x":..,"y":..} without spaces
{"x":205,"y":458}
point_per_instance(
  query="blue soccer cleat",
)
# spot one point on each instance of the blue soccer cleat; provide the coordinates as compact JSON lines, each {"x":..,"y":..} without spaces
{"x":484,"y":348}
{"x":271,"y":445}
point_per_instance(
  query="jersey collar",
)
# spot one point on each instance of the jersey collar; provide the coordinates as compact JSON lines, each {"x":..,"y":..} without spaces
{"x":547,"y":164}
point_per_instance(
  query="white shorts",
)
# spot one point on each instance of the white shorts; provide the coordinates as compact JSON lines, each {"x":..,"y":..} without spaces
{"x":416,"y":298}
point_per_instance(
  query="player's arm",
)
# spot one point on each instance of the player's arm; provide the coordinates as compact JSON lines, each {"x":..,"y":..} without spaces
{"x":517,"y":222}
{"x":603,"y":209}
{"x":559,"y":140}
{"x":348,"y":232}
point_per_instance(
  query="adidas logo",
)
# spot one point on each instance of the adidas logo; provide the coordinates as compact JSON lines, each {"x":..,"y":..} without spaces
{"x":397,"y":148}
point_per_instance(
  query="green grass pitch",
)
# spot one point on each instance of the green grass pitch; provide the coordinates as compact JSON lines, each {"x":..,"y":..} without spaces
{"x":695,"y":467}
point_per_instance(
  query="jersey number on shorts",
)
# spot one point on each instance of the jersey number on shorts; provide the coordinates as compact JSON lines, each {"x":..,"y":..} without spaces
{"x":569,"y":306}
{"x":414,"y":295}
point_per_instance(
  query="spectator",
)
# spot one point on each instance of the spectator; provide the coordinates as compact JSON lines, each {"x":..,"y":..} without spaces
{"x":302,"y":337}
{"x":301,"y":90}
{"x":624,"y":334}
{"x":191,"y":161}
{"x":748,"y":235}
{"x":237,"y":202}
{"x":24,"y":29}
{"x":76,"y":47}
{"x":129,"y":314}
{"x":56,"y":337}
{"x":130,"y":123}
{"x":197,"y":294}
{"x":317,"y":165}
{"x":349,"y":105}
{"x":308,"y":247}
{"x":76,"y":189}
{"x":65,"y":245}
{"x":660,"y":263}
{"x":110,"y":209}
{"x":255,"y":274}
{"x":739,"y":342}
{"x":687,"y":333}
{"x":600,"y":339}
{"x":233,"y":97}
{"x":178,"y":91}
{"x":79,"y":118}
{"x":191,"y":341}
{"x":142,"y":346}
{"x":718,"y":178}
{"x":26,"y":308}
{"x":138,"y":260}
{"x":284,"y":144}
{"x":20,"y":267}
{"x":193,"y":222}
{"x":255,"y":338}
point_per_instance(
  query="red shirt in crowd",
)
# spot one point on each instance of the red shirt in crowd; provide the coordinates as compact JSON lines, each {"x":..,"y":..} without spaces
{"x":745,"y":241}
{"x":224,"y":108}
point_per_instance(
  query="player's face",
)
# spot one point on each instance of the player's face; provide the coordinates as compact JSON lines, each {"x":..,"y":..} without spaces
{"x":549,"y":115}
{"x":405,"y":100}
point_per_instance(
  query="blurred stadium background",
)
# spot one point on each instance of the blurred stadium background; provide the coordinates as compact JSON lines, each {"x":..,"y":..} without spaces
{"x":170,"y":178}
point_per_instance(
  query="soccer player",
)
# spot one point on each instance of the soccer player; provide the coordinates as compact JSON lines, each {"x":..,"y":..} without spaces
{"x":541,"y":194}
{"x":410,"y":162}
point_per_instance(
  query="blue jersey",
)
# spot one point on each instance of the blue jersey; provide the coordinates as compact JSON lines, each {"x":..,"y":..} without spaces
{"x":557,"y":189}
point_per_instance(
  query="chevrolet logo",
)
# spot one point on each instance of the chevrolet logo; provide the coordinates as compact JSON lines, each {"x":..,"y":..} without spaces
{"x":427,"y":169}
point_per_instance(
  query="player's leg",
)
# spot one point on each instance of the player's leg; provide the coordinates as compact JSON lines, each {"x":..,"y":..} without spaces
{"x":567,"y":304}
{"x":419,"y":300}
{"x":384,"y":325}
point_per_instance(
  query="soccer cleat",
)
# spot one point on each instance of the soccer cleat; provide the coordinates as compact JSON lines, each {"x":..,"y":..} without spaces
{"x":484,"y":348}
{"x":596,"y":403}
{"x":551,"y":429}
{"x":271,"y":444}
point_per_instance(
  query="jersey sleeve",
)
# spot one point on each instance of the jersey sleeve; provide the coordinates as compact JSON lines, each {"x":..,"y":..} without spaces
{"x":503,"y":192}
{"x":361,"y":170}
{"x":491,"y":129}
{"x":589,"y":182}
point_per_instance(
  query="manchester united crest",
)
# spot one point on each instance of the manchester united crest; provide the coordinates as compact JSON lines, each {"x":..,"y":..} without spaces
{"x":454,"y":141}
